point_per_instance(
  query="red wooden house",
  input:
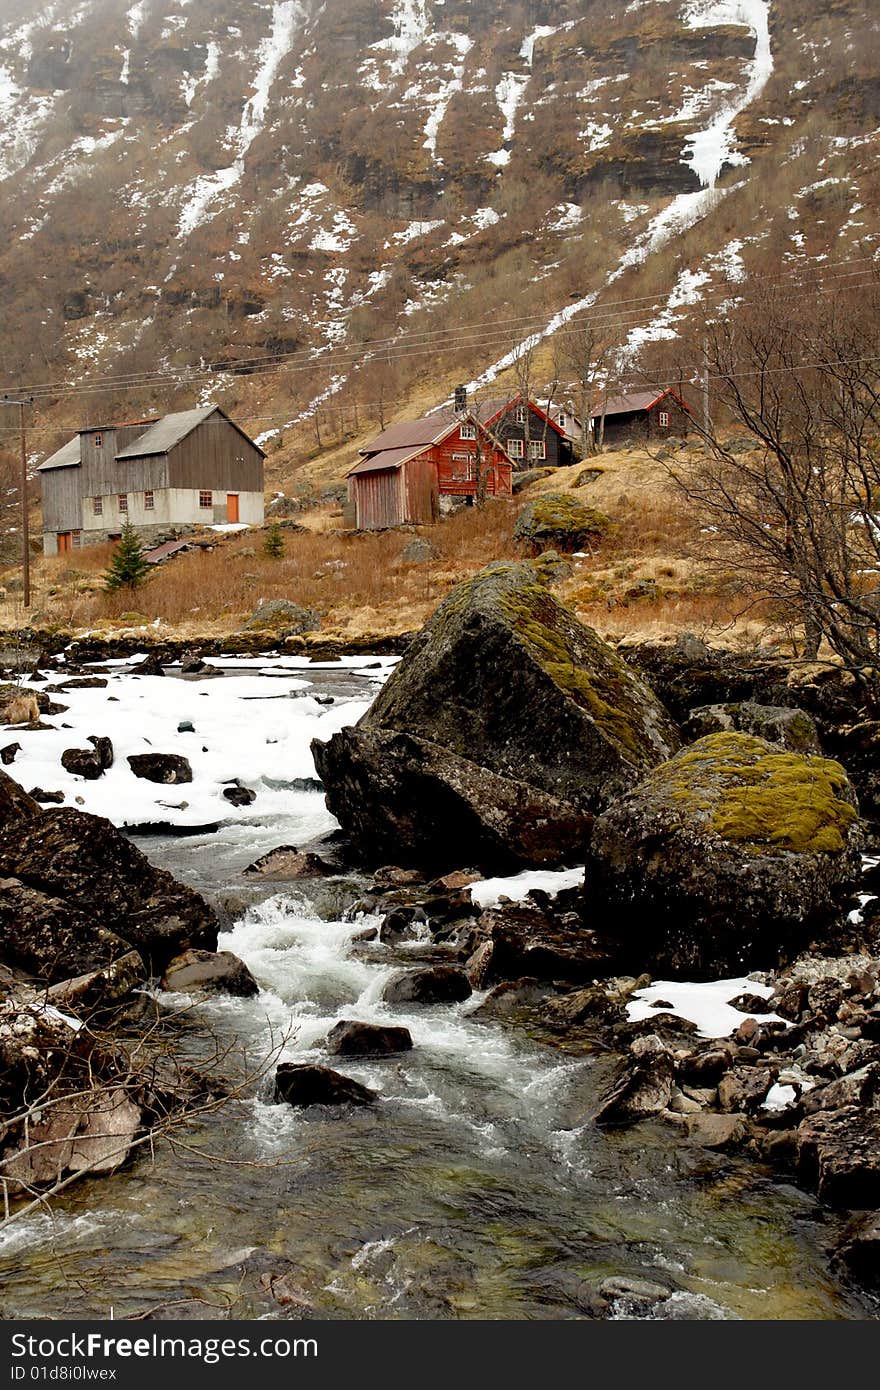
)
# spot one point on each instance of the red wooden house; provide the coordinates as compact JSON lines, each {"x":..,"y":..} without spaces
{"x":405,"y":471}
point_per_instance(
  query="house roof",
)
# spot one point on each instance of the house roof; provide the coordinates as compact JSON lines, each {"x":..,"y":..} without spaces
{"x":399,"y":443}
{"x":160,"y":434}
{"x":637,"y":400}
{"x":68,"y":456}
{"x":385,"y":459}
{"x":165,"y":433}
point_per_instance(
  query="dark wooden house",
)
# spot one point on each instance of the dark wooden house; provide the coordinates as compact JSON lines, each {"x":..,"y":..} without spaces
{"x":530,"y":437}
{"x":174,"y":472}
{"x":642,"y":415}
{"x":409,"y":467}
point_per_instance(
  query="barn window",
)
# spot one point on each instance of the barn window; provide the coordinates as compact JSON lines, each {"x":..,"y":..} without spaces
{"x":519,"y":415}
{"x":97,"y":506}
{"x":462,"y":467}
{"x":123,"y":502}
{"x":99,"y":440}
{"x":537,"y":449}
{"x":515,"y":448}
{"x":148,"y":501}
{"x":206,"y":499}
{"x":663,"y":418}
{"x":467,"y":432}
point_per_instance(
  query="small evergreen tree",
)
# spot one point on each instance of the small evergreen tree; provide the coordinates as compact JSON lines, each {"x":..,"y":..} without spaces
{"x":273,"y":545}
{"x":127,"y":569}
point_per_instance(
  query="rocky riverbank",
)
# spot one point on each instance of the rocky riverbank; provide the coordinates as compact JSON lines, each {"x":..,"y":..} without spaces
{"x":723,"y":807}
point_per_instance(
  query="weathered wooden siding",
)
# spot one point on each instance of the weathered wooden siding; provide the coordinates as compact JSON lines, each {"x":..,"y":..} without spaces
{"x":103,"y":476}
{"x":558,"y":451}
{"x":214,"y":456}
{"x":422,"y":494}
{"x":639,"y":425}
{"x":62,"y":510}
{"x":380,"y":499}
{"x":457,"y":474}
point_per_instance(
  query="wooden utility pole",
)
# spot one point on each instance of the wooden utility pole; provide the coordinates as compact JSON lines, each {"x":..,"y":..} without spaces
{"x":23,"y":486}
{"x":707,"y":419}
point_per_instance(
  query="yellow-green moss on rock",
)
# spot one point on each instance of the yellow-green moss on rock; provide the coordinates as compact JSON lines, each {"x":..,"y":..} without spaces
{"x":559,"y":521}
{"x":741,"y":789}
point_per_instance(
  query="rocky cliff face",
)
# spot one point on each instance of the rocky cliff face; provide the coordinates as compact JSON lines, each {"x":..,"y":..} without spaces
{"x":194,"y":185}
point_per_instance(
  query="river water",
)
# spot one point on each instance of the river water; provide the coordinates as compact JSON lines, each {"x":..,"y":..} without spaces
{"x":476,"y":1188}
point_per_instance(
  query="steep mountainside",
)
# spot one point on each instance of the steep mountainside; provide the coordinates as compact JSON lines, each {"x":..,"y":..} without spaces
{"x":374,"y":198}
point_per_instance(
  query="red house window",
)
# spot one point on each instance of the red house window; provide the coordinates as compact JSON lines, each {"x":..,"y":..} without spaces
{"x":123,"y":502}
{"x":467,"y":432}
{"x":462,"y":467}
{"x":206,"y":499}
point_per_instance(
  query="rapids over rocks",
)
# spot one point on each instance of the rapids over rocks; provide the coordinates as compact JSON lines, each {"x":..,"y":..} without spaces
{"x":477,"y":1186}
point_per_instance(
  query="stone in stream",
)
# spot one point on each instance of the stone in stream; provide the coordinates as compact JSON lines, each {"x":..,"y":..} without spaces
{"x":644,"y":1087}
{"x":238,"y":795}
{"x":83,"y":762}
{"x":218,"y":972}
{"x":76,"y":894}
{"x":103,"y":748}
{"x":860,"y":1248}
{"x":165,"y":768}
{"x":839,"y":1155}
{"x":287,"y":862}
{"x":7,"y":754}
{"x":351,"y":1039}
{"x":314,"y":1085}
{"x":434,"y":984}
{"x":724,"y":859}
{"x":46,"y":798}
{"x":505,"y":728}
{"x":150,"y":666}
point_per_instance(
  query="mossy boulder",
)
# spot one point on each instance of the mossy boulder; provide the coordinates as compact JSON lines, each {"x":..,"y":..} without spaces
{"x":726,"y":858}
{"x":793,"y":729}
{"x":558,"y":521}
{"x":507,"y":726}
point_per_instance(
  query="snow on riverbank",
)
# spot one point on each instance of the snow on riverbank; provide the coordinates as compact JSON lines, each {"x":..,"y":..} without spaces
{"x":254,"y":724}
{"x":489,"y":891}
{"x":706,"y":1005}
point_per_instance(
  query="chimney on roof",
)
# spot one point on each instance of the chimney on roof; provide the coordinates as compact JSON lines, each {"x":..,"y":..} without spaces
{"x":460,"y":400}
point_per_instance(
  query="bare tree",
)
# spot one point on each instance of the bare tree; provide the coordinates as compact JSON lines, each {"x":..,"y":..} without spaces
{"x":587,"y":356}
{"x":794,"y":495}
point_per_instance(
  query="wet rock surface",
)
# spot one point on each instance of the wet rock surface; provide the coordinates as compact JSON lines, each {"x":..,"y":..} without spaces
{"x":314,"y":1085}
{"x":507,"y":725}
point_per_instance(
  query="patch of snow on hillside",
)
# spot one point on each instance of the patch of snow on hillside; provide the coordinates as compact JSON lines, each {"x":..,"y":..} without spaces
{"x":413,"y":232}
{"x":126,"y":66}
{"x":195,"y":81}
{"x":686,"y":291}
{"x":596,"y":134}
{"x":714,"y":146}
{"x":21,"y":118}
{"x":509,"y":94}
{"x":480,"y":221}
{"x":412,"y":26}
{"x":270,"y":54}
{"x":135,"y":18}
{"x":337,"y":238}
{"x":565,"y":217}
{"x":729,"y":261}
{"x":447,"y":90}
{"x":543,"y":31}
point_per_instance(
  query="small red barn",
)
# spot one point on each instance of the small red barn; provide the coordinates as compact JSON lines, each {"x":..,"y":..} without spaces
{"x":404,"y":472}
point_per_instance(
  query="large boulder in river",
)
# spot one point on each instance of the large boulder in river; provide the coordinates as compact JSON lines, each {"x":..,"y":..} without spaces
{"x":725,"y":858}
{"x":507,"y":726}
{"x":75,"y":894}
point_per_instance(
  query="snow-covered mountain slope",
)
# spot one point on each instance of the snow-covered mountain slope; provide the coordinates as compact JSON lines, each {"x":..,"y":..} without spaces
{"x":194,"y":184}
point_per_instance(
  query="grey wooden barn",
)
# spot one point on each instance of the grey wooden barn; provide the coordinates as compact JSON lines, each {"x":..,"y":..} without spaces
{"x":171,"y":473}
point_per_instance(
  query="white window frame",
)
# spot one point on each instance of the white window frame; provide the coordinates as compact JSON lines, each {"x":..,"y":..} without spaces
{"x":663,"y":419}
{"x":516,"y":448}
{"x":467,"y":432}
{"x":463,"y":470}
{"x":122,"y":499}
{"x":520,"y":415}
{"x":537,"y":449}
{"x":97,"y":506}
{"x":149,"y":500}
